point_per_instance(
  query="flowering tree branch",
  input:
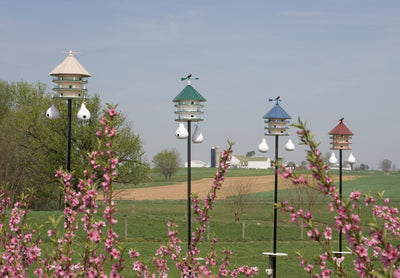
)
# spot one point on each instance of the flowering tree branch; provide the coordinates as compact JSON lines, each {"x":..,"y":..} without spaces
{"x":187,"y":263}
{"x":21,"y":244}
{"x":373,"y":253}
{"x":82,"y":202}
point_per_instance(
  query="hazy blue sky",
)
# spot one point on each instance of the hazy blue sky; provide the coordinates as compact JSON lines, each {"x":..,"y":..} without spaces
{"x":326,"y":59}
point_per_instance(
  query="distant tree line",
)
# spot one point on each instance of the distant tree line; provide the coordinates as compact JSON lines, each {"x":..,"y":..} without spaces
{"x":32,"y":147}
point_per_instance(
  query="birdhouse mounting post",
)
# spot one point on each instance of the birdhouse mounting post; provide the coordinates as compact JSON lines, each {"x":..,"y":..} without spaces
{"x":341,"y":137}
{"x":276,"y":121}
{"x":189,"y":108}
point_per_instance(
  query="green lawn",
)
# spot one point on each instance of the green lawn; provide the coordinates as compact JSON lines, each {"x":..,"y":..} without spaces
{"x":146,"y":224}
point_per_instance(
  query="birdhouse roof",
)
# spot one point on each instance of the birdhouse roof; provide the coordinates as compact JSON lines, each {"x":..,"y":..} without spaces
{"x":70,"y":66}
{"x":189,"y":93}
{"x":277,"y":112}
{"x":341,"y":128}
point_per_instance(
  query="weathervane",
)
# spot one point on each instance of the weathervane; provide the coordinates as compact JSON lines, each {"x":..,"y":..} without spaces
{"x":188,"y":78}
{"x":277,"y":99}
{"x":341,"y":120}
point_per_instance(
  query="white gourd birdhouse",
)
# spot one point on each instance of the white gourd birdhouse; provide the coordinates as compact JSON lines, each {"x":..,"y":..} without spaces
{"x":197,"y":135}
{"x":181,"y":132}
{"x":53,"y":113}
{"x":83,"y":113}
{"x":351,"y":159}
{"x":289,"y":145}
{"x":263,"y":146}
{"x":333,"y":159}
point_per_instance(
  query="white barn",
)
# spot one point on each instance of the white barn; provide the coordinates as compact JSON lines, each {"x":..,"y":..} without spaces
{"x":198,"y":164}
{"x":257,"y":164}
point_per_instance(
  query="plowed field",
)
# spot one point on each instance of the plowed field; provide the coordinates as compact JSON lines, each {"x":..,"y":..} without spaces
{"x":230,"y":187}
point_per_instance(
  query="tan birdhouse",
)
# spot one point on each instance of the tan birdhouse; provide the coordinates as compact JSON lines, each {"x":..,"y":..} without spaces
{"x":70,"y":78}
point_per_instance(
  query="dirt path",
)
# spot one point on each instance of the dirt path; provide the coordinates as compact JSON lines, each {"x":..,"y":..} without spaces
{"x":178,"y":191}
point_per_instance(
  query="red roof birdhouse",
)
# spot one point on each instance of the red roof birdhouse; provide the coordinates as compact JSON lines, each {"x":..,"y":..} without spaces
{"x":341,"y":137}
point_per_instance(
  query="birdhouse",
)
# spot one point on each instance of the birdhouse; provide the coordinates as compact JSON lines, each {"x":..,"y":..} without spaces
{"x":333,"y":159}
{"x":277,"y":120}
{"x":351,"y":160}
{"x":83,"y":113}
{"x":70,"y":78}
{"x":341,"y":136}
{"x":189,"y":105}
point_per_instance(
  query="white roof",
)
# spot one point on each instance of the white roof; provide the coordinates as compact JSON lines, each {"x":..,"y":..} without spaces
{"x":266,"y":164}
{"x":70,"y":66}
{"x":234,"y":161}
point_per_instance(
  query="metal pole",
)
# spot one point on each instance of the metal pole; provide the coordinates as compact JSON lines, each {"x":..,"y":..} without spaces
{"x":189,"y":214}
{"x":69,"y":136}
{"x":275,"y":208}
{"x":340,"y":196}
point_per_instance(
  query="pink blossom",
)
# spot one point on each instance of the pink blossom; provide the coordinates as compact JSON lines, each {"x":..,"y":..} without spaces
{"x":355,"y":195}
{"x":328,"y":233}
{"x":112,"y":112}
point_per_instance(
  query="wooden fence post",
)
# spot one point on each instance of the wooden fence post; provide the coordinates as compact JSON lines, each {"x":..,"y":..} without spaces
{"x":133,"y":206}
{"x":208,"y":231}
{"x":126,"y":228}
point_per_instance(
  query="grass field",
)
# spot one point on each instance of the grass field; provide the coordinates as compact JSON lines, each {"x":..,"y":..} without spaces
{"x":146,"y":223}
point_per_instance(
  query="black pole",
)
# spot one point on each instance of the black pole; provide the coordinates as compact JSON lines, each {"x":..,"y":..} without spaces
{"x":340,"y":196}
{"x":68,"y":142}
{"x":69,"y":136}
{"x":189,"y":214}
{"x":275,"y":208}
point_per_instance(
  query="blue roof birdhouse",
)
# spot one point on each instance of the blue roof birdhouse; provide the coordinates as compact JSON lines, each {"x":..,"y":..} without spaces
{"x":277,"y":120}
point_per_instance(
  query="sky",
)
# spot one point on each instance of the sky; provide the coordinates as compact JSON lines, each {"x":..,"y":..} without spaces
{"x":325,"y":59}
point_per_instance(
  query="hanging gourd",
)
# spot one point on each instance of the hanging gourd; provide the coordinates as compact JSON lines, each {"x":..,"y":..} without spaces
{"x":83,"y":113}
{"x":52,"y":113}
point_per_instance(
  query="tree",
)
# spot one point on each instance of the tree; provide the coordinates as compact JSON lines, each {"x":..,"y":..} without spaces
{"x":364,"y":167}
{"x":250,"y":154}
{"x":167,"y":162}
{"x":326,"y":157}
{"x":302,"y":196}
{"x":386,"y":165}
{"x":133,"y":167}
{"x":239,"y":192}
{"x":22,"y":124}
{"x":302,"y":166}
{"x":32,"y":147}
